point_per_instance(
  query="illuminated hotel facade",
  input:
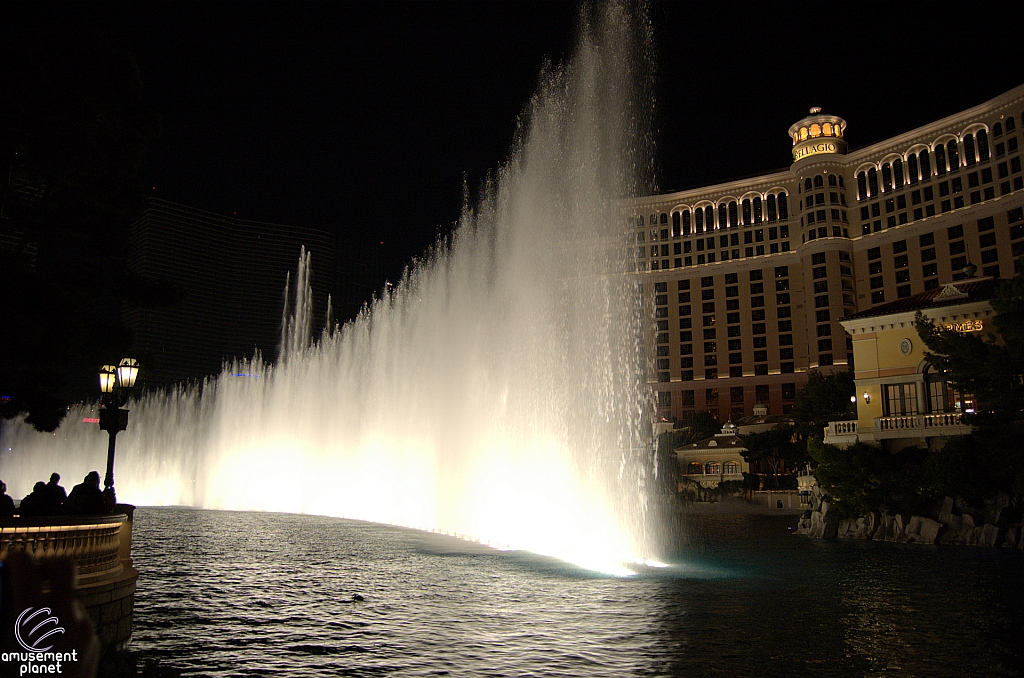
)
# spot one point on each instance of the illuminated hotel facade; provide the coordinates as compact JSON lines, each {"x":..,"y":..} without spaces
{"x":748,"y":280}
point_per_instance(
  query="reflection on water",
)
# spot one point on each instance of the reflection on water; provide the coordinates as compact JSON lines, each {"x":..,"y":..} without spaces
{"x":224,"y":593}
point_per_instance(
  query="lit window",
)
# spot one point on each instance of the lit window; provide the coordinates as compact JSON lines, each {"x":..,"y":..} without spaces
{"x":803,"y":133}
{"x":815,"y":130}
{"x":827,"y":129}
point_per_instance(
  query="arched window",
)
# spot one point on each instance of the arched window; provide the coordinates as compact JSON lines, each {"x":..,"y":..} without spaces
{"x":841,"y":181}
{"x":772,"y":213}
{"x":640,"y":220}
{"x":803,"y":134}
{"x":969,"y":156}
{"x":873,"y":182}
{"x":897,"y":170}
{"x":953,"y":153}
{"x":677,"y":224}
{"x":819,"y":182}
{"x":997,"y":129}
{"x":912,"y":168}
{"x":709,"y":217}
{"x":654,"y":219}
{"x":815,"y":130}
{"x":694,"y":468}
{"x":730,"y":467}
{"x":686,"y":222}
{"x":664,"y":218}
{"x":832,"y":181}
{"x":1010,"y":124}
{"x":698,"y":217}
{"x":758,"y":212}
{"x":886,"y":177}
{"x":807,"y":184}
{"x":826,"y":129}
{"x":862,"y":186}
{"x":940,"y":160}
{"x":926,"y":165}
{"x":748,"y":217}
{"x":734,"y":217}
{"x":982,"y":138}
{"x":712,"y":468}
{"x":783,"y":206}
{"x":723,"y":215}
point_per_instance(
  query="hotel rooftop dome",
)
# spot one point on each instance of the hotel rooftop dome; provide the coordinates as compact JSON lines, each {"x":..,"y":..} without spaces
{"x":816,"y":134}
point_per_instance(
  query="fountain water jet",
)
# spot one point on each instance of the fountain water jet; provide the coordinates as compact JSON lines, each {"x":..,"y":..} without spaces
{"x":496,"y":393}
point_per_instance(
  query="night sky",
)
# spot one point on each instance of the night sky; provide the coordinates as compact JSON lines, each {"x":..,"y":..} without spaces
{"x":363,"y":118}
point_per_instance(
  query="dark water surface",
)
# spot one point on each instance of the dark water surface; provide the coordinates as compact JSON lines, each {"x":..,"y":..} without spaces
{"x":239,"y":594}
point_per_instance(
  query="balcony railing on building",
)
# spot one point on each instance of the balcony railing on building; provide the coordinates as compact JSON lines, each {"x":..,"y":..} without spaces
{"x":909,"y":425}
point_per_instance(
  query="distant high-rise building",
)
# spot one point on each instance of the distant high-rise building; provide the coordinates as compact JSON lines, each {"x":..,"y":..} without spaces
{"x":749,"y":280}
{"x":232,"y":274}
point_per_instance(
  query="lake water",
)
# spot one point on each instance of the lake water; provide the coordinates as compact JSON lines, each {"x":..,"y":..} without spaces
{"x":240,"y":594}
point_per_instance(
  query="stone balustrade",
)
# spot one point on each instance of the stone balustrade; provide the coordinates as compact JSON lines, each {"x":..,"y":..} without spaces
{"x":917,"y":421}
{"x":841,"y":428}
{"x":100,"y":546}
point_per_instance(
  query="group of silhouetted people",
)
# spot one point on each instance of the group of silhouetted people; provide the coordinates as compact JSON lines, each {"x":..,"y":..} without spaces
{"x":50,"y":499}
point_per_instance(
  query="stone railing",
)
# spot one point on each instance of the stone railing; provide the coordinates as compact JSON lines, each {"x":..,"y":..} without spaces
{"x":841,"y":428}
{"x":94,"y":543}
{"x":916,"y":421}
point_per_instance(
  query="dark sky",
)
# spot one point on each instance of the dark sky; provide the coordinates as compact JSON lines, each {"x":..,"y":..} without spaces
{"x":363,"y":118}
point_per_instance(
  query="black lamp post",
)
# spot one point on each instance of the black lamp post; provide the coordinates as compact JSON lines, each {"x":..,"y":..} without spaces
{"x":115,"y":384}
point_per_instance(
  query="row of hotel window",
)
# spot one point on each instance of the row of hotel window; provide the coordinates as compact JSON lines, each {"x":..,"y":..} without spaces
{"x":724,"y":242}
{"x":712,"y":468}
{"x":734,"y":331}
{"x":921,"y":198}
{"x":736,"y":395}
{"x":774,"y":207}
{"x":957,"y":252}
{"x":947,"y":159}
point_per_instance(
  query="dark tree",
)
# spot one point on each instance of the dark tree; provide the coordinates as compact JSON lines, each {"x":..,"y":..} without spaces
{"x":821,"y":400}
{"x":773,"y":450}
{"x":73,"y":130}
{"x":992,"y":370}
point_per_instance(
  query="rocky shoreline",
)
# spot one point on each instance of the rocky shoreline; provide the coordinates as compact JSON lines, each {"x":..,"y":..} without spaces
{"x":953,"y":523}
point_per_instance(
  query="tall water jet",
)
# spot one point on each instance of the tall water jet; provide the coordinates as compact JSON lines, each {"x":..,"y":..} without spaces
{"x":495,"y":393}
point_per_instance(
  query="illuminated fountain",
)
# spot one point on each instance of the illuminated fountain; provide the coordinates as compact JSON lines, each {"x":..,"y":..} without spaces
{"x":495,"y":393}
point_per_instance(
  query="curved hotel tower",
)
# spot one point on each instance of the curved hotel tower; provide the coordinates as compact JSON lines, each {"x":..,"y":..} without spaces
{"x":749,"y":280}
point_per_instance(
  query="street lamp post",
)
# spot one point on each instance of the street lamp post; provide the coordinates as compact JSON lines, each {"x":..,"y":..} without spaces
{"x":115,"y":384}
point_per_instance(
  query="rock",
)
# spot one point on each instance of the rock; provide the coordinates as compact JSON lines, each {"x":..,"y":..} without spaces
{"x":913,"y":528}
{"x":971,"y":536}
{"x":831,"y":522}
{"x":946,"y":511}
{"x":1011,"y":537}
{"x":885,"y":530}
{"x":899,"y":524}
{"x":929,"y":531}
{"x":846,"y":528}
{"x":989,"y":535}
{"x":968,"y":521}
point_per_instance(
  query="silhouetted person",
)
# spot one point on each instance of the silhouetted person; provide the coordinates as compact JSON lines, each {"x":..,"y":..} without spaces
{"x":35,"y":504}
{"x":86,"y":498}
{"x":57,"y":494}
{"x":6,"y":503}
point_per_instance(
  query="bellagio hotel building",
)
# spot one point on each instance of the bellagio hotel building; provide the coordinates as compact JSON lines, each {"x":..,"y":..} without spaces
{"x":748,"y":280}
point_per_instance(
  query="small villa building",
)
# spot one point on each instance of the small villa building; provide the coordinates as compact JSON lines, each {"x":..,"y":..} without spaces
{"x":902,"y":400}
{"x":713,"y":460}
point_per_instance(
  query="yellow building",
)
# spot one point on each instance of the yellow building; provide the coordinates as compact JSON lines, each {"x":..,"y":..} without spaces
{"x":902,"y":400}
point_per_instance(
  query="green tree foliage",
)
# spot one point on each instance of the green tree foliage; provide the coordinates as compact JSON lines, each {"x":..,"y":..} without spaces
{"x":775,"y":450}
{"x":862,"y":477}
{"x":821,"y":400}
{"x":73,"y":129}
{"x":991,"y":368}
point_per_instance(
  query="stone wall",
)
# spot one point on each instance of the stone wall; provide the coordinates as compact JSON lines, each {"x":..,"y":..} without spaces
{"x":955,"y":523}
